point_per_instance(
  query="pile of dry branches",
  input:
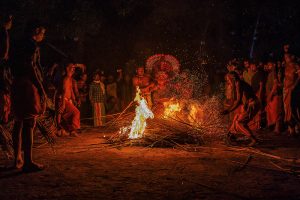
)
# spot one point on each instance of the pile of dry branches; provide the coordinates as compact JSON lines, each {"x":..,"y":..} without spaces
{"x":182,"y":129}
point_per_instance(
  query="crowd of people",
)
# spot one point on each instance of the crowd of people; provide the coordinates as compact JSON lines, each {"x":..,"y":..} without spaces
{"x":257,"y":94}
{"x":29,"y":91}
{"x":263,"y":95}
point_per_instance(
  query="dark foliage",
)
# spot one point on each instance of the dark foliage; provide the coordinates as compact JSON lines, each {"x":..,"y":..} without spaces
{"x":108,"y":34}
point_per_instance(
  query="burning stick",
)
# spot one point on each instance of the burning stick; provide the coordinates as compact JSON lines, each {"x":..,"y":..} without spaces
{"x":114,"y":121}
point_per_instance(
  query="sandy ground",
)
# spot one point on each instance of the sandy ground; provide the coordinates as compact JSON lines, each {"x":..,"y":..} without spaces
{"x":87,"y":168}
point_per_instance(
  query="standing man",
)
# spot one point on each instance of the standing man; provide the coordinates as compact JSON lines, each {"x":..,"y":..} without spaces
{"x":97,"y":99}
{"x":144,"y":82}
{"x":27,"y":93}
{"x":291,"y":93}
{"x":274,"y":98}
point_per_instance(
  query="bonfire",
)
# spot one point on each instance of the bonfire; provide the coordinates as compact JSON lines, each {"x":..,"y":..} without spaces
{"x":178,"y":123}
{"x":176,"y":119}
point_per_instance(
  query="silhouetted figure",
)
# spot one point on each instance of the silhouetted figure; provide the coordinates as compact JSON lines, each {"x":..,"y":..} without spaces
{"x":126,"y":91}
{"x":83,"y":95}
{"x":274,"y":105}
{"x":27,"y":93}
{"x":291,"y":93}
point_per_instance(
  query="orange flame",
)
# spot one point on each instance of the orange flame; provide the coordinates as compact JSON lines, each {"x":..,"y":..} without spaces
{"x":171,"y":109}
{"x":195,"y":113}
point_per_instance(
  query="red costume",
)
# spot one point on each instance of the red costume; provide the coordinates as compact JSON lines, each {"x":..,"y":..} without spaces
{"x":70,"y":114}
{"x":274,"y":100}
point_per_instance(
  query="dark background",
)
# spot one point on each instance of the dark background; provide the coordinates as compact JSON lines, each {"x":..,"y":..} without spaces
{"x":107,"y":34}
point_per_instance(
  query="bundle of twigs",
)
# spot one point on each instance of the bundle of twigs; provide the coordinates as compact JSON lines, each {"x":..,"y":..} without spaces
{"x":47,"y":126}
{"x":6,"y":139}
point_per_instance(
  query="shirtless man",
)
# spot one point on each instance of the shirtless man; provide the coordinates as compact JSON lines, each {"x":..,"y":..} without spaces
{"x":161,"y":91}
{"x":248,"y":103}
{"x":291,"y":92}
{"x":68,"y":116}
{"x":27,"y":92}
{"x":145,"y":84}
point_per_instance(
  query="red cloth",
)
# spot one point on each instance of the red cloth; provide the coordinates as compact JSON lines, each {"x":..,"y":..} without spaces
{"x":287,"y":100}
{"x":70,"y":114}
{"x":99,"y":112}
{"x":274,"y":110}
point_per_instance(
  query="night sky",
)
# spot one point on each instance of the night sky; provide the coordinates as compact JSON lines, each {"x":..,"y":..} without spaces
{"x":108,"y":34}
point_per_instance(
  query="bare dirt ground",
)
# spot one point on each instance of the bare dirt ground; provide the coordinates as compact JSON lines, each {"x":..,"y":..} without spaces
{"x":87,"y":168}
